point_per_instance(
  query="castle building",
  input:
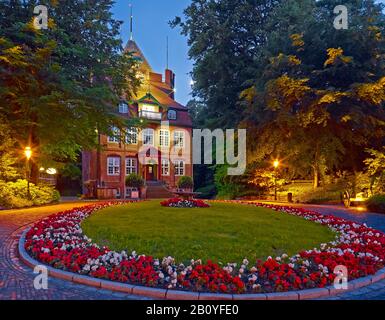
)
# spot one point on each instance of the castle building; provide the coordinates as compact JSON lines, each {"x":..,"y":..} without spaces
{"x":159,"y":150}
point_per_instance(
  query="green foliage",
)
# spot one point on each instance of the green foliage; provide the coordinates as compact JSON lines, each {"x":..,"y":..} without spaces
{"x":376,"y":203}
{"x":58,"y":85}
{"x":320,"y":84}
{"x":305,"y":92}
{"x":206,"y":192}
{"x":14,"y":194}
{"x":134,"y":180}
{"x":71,"y":171}
{"x":9,"y":168}
{"x":185,"y":182}
{"x":226,"y":187}
{"x":376,"y":170}
{"x":225,"y":39}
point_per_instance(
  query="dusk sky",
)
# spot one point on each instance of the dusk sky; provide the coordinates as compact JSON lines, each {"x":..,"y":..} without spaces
{"x":150,"y":31}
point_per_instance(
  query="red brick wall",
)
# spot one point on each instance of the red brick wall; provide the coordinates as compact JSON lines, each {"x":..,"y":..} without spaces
{"x":89,"y":160}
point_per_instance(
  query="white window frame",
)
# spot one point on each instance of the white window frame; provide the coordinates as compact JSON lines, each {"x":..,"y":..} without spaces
{"x":164,"y":138}
{"x":123,"y":107}
{"x":179,"y":138}
{"x":114,"y":164}
{"x":116,"y":135}
{"x":131,"y":165}
{"x":133,"y":133}
{"x":179,"y":168}
{"x":165,"y":169}
{"x":148,"y":132}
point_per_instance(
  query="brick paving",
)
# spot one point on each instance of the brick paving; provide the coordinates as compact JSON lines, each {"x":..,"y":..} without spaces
{"x":16,"y":279}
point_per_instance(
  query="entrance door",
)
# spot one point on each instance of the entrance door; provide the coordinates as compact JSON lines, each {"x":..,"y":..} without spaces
{"x":150,"y":172}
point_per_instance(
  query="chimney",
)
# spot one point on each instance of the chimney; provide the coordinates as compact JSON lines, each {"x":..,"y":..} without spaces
{"x":170,"y":80}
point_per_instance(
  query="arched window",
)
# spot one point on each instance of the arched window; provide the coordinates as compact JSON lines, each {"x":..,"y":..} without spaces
{"x":171,"y":115}
{"x":123,"y":107}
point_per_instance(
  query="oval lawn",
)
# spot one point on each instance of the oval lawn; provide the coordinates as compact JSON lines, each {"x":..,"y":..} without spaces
{"x":224,"y":232}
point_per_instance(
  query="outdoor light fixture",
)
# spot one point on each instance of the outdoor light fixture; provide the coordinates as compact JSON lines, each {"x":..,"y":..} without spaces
{"x":28,"y":152}
{"x":51,"y":171}
{"x":28,"y":155}
{"x":276,"y":164}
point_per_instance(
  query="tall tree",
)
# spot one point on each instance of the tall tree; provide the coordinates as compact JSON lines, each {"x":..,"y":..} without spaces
{"x":225,"y":39}
{"x":61,"y":84}
{"x":321,"y":96}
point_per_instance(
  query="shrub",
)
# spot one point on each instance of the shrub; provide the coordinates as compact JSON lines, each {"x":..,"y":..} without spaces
{"x":15,"y":195}
{"x":376,"y":203}
{"x":207,"y":192}
{"x":134,"y":181}
{"x":185,"y":182}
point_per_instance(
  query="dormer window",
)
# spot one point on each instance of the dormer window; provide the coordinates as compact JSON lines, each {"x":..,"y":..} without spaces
{"x":171,"y":115}
{"x":123,"y":107}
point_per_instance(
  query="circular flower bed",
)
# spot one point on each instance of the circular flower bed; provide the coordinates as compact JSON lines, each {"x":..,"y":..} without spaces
{"x":184,"y":203}
{"x":58,"y":241}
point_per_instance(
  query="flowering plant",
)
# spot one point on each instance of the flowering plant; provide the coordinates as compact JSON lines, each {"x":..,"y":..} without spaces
{"x":184,"y":203}
{"x":58,"y":241}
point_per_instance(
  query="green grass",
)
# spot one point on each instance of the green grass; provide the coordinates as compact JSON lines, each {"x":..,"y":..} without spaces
{"x":223,"y":233}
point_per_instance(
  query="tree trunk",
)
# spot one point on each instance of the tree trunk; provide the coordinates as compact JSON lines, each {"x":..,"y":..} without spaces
{"x":316,"y":171}
{"x":316,"y":177}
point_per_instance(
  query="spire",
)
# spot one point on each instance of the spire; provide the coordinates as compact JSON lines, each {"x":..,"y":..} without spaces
{"x":131,"y":23}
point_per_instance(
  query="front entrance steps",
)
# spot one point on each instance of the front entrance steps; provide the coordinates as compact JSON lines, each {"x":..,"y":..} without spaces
{"x":156,"y":190}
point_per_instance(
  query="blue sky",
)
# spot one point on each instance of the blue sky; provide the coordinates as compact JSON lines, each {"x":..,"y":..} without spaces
{"x":150,"y":31}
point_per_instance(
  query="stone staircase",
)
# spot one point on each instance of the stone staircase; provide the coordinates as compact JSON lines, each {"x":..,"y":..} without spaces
{"x":156,"y":190}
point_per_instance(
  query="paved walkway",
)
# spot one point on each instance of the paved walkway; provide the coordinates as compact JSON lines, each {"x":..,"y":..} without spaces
{"x":375,"y":291}
{"x":16,"y":280}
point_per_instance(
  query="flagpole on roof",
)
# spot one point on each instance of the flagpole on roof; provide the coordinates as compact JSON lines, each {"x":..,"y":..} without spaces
{"x":131,"y":23}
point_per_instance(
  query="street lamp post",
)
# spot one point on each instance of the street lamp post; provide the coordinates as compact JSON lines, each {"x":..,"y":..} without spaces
{"x":275,"y":164}
{"x":28,"y":154}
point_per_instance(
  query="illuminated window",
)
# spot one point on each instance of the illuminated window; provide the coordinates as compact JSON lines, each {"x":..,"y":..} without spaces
{"x":164,"y":137}
{"x":165,"y":167}
{"x":149,"y":107}
{"x":132,"y":135}
{"x":179,"y":139}
{"x":148,"y":136}
{"x":131,"y":165}
{"x":114,"y":138}
{"x":179,"y":168}
{"x":113,"y":166}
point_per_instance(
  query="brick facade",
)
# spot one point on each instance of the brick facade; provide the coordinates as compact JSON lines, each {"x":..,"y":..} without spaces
{"x":155,"y":104}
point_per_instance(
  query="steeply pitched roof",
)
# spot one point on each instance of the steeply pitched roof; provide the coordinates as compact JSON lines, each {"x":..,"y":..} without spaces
{"x":133,"y":47}
{"x":159,"y":90}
